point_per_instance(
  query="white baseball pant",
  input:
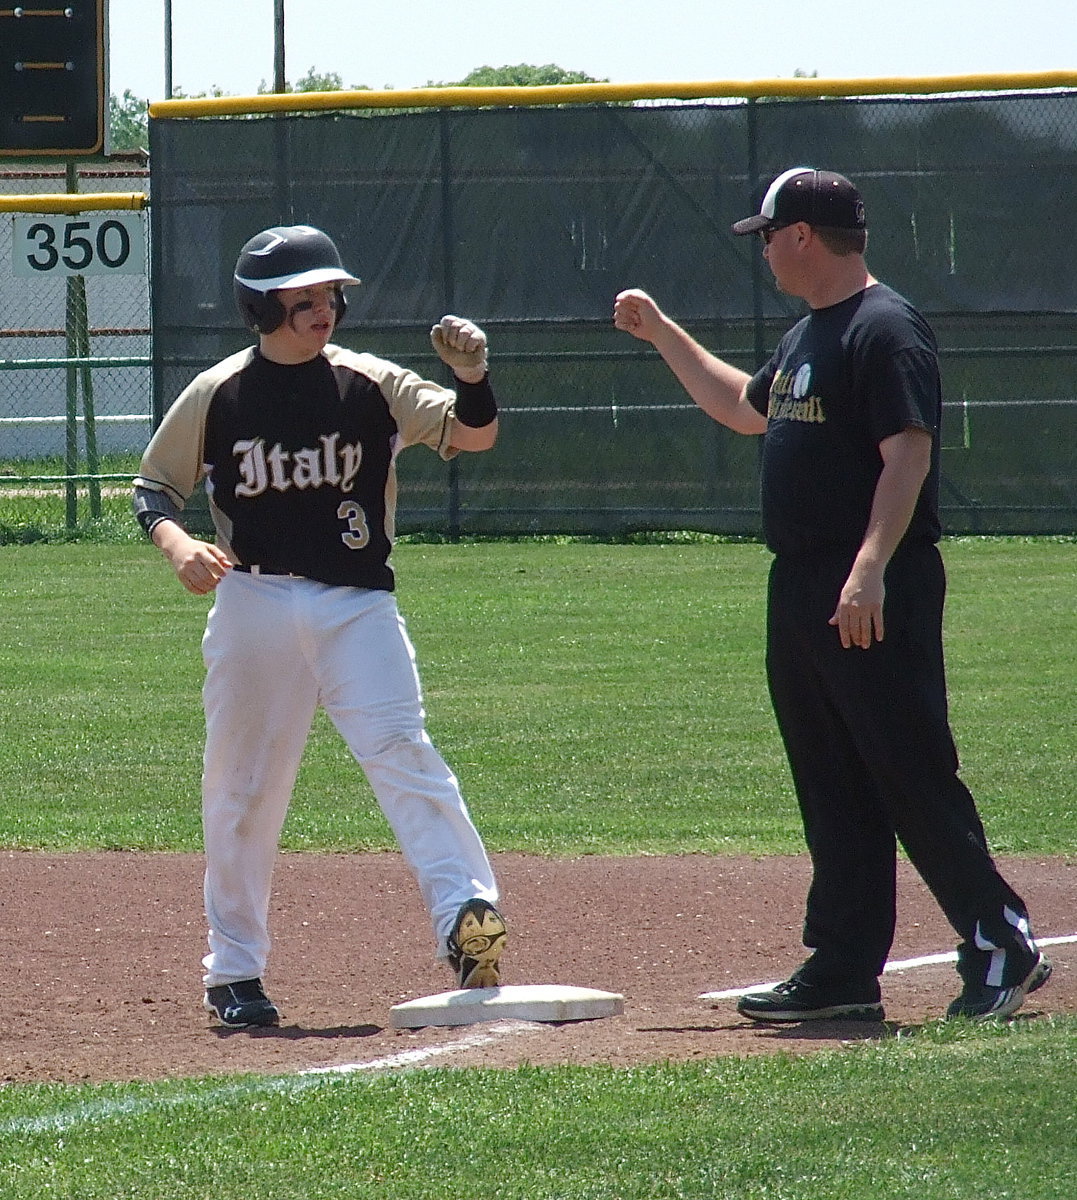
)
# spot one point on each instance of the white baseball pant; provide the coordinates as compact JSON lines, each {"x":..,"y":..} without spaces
{"x":275,"y":649}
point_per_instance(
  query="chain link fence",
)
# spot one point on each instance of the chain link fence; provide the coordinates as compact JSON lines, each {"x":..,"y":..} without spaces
{"x":75,"y":352}
{"x":530,"y":220}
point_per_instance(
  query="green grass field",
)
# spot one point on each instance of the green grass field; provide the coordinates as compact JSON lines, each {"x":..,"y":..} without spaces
{"x":593,"y":698}
{"x":946,"y":1115}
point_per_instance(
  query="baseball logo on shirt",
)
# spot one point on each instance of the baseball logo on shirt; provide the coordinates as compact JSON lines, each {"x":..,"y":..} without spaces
{"x":791,"y":398}
{"x":802,"y":382}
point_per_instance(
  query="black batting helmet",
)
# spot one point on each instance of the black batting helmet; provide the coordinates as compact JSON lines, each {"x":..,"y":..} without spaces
{"x":286,"y":256}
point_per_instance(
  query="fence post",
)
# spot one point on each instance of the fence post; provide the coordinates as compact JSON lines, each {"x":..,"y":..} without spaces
{"x":78,"y":346}
{"x":89,"y":427}
{"x":71,"y":442}
{"x":448,"y":280}
{"x":754,"y":190}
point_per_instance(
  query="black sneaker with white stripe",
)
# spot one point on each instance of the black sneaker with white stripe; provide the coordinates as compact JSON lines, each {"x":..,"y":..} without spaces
{"x":799,"y":1000}
{"x":982,"y":1002}
{"x":241,"y":1004}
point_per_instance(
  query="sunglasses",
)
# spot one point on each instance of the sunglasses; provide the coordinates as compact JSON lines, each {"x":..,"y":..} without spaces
{"x":767,"y":234}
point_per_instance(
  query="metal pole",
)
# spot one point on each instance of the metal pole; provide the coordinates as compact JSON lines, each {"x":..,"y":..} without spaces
{"x":71,"y":444}
{"x":758,"y":319}
{"x":448,"y":283}
{"x":168,"y":49}
{"x":279,"y":81}
{"x":281,"y":147}
{"x":89,"y":415}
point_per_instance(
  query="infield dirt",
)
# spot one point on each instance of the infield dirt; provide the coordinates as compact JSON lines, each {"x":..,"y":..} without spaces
{"x":100,"y":974}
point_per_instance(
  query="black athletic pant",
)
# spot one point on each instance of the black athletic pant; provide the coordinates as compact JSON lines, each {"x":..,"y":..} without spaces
{"x":873,"y":760}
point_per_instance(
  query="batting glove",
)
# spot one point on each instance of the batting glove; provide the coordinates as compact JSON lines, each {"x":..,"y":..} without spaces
{"x":460,"y":344}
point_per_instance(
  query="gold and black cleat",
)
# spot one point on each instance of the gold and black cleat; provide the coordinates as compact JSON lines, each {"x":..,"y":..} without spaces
{"x":478,"y":936}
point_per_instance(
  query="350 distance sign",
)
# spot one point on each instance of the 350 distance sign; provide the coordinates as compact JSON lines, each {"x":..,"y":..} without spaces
{"x":79,"y":244}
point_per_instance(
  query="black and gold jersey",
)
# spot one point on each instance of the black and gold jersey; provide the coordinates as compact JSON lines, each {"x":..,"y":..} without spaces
{"x":299,"y":461}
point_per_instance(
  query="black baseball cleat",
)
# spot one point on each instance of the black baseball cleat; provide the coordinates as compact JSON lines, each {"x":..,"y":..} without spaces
{"x":798,"y":1000}
{"x":981,"y":1002}
{"x":478,"y":936}
{"x":240,"y":1004}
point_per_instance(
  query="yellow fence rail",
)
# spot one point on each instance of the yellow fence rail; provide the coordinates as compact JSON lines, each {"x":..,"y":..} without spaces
{"x":599,"y":93}
{"x":69,"y":202}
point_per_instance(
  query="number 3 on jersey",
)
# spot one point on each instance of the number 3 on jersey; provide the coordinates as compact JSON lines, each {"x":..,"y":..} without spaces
{"x":358,"y":533}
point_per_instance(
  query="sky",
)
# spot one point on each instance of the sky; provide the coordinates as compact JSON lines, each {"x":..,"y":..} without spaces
{"x":228,"y":44}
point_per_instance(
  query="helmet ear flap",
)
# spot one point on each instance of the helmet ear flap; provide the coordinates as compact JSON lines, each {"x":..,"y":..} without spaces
{"x":341,"y":305}
{"x":262,"y":312}
{"x":271,"y":314}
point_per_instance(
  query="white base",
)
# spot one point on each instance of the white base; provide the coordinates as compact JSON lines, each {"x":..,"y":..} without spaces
{"x":529,"y":1002}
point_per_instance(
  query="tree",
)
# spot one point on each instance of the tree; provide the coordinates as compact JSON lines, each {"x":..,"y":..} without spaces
{"x":128,"y":122}
{"x":522,"y":75}
{"x":315,"y":81}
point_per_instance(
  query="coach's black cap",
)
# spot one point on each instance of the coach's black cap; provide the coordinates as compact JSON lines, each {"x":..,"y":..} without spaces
{"x":805,"y":194}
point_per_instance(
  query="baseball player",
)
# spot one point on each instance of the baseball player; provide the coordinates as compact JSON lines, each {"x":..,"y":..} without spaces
{"x":297,"y":440}
{"x":849,"y":406}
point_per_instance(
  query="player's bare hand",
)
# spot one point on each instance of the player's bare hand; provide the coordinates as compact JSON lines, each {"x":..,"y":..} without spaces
{"x":636,"y":313}
{"x":859,"y":614}
{"x":202,"y":569}
{"x":461,"y":345}
{"x":199,"y":565}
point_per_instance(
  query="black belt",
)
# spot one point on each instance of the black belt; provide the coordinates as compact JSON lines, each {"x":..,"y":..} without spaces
{"x":255,"y":569}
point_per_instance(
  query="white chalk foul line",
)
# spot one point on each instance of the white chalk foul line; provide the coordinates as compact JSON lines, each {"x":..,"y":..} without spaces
{"x":109,"y":1110}
{"x":412,"y":1058}
{"x":904,"y":964}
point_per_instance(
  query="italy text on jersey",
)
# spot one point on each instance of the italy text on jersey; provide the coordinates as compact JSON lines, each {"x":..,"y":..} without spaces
{"x":312,"y":467}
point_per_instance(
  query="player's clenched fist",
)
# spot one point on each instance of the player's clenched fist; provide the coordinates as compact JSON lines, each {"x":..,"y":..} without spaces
{"x":461,"y":345}
{"x":636,"y":313}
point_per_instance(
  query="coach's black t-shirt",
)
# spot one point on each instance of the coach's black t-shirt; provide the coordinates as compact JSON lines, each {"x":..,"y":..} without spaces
{"x":842,"y":380}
